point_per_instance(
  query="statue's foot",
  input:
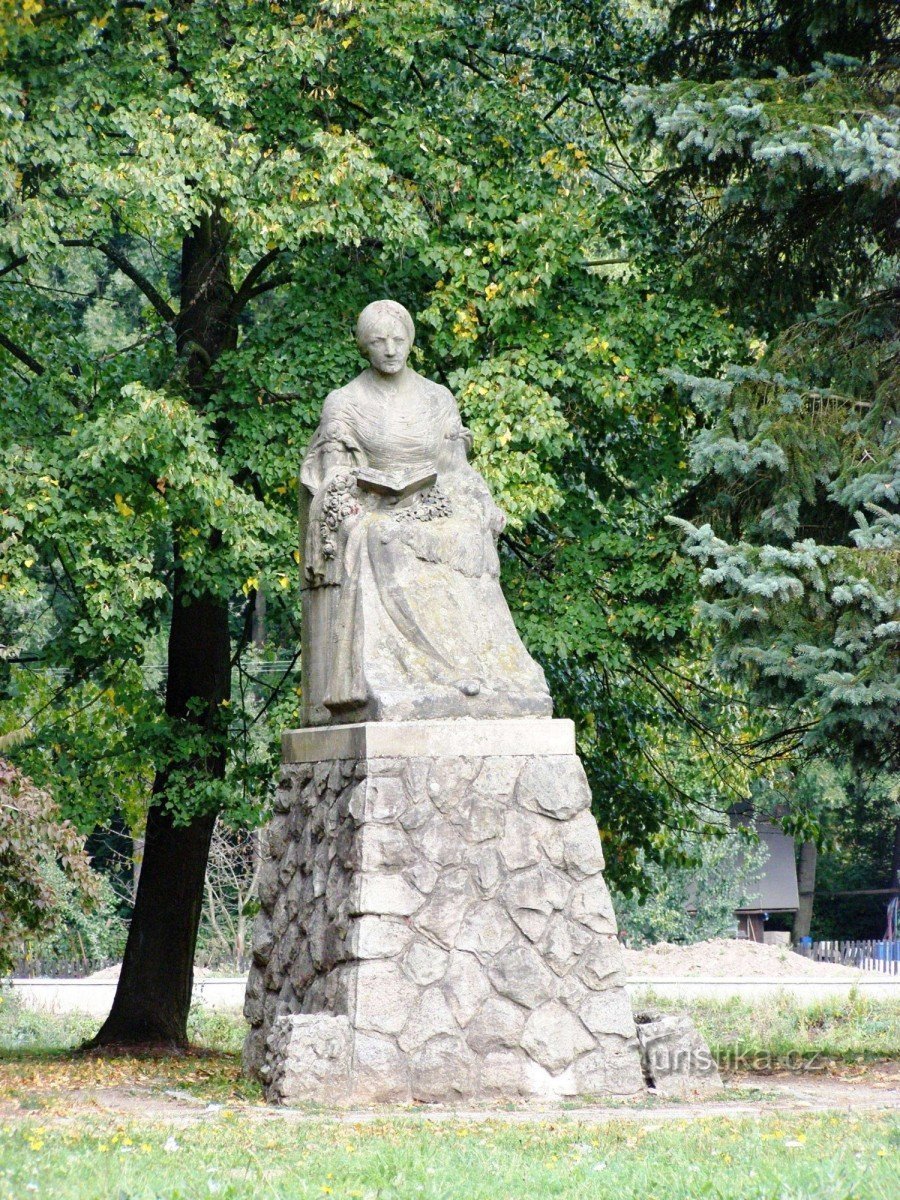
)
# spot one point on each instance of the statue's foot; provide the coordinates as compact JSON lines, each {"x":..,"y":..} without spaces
{"x":469,"y":687}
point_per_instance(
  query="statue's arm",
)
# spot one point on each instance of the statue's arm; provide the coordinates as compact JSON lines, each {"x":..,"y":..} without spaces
{"x":330,"y":487}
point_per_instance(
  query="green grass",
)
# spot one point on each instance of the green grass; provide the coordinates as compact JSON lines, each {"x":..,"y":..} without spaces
{"x":25,"y":1031}
{"x":809,"y":1158}
{"x":48,"y":1150}
{"x":779,"y":1031}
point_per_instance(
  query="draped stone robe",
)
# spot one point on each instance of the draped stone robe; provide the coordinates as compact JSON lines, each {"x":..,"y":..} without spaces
{"x":403,"y":615}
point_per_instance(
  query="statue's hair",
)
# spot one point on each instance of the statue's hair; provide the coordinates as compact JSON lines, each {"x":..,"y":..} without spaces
{"x":378,"y":310}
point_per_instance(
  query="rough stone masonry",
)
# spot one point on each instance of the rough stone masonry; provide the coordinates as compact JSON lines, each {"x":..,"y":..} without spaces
{"x":434,"y":922}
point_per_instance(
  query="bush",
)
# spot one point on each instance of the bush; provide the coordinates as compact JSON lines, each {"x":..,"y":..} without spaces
{"x":83,"y":939}
{"x":695,"y":898}
{"x":37,"y":847}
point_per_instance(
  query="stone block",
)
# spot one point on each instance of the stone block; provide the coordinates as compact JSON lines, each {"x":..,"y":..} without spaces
{"x":483,"y":819}
{"x":378,"y":937}
{"x":497,"y":1026}
{"x":385,"y":798}
{"x":385,"y":895}
{"x":423,"y":876}
{"x":465,"y":986}
{"x":380,"y":1071}
{"x":448,"y":781}
{"x":582,"y":851}
{"x":430,"y":1017}
{"x":613,"y":1069}
{"x":608,"y":1012}
{"x":519,"y":846}
{"x":563,"y":943}
{"x":677,"y":1061}
{"x":425,"y":963}
{"x":487,"y":869}
{"x":465,"y":739}
{"x":385,"y":847}
{"x":263,"y":940}
{"x":254,"y":996}
{"x":591,"y":906}
{"x":485,"y":930}
{"x":554,"y":786}
{"x":600,"y":966}
{"x":384,"y":997}
{"x":254,"y":1052}
{"x":278,"y":836}
{"x":440,"y":843}
{"x":309,"y":1058}
{"x":443,"y":913}
{"x":555,"y":1038}
{"x":520,"y":974}
{"x":502,"y":1075}
{"x":531,"y":896}
{"x":444,"y":1070}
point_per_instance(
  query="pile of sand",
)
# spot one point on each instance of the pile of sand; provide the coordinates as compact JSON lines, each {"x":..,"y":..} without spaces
{"x":727,"y":958}
{"x":111,"y":974}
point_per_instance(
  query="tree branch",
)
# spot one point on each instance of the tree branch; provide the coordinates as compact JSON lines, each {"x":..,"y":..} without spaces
{"x":22,"y":355}
{"x":276,"y":281}
{"x":13,"y":265}
{"x":245,"y":291}
{"x":128,"y":269}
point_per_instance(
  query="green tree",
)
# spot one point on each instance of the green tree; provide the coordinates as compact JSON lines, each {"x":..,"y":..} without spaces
{"x":198,"y":198}
{"x":780,"y":139}
{"x":777,"y":130}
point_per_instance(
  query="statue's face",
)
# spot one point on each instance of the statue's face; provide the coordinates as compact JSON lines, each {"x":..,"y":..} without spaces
{"x":387,"y":347}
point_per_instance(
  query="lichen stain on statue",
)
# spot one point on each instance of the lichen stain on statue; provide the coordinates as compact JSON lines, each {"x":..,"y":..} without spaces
{"x":403,"y":614}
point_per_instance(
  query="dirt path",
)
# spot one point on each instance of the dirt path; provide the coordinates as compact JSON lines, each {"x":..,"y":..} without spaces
{"x":746,"y":1095}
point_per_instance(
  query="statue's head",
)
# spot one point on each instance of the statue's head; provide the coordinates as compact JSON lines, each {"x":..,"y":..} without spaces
{"x":385,"y":334}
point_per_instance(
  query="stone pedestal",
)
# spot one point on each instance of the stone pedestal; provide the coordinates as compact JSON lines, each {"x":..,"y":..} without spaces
{"x":434,"y":922}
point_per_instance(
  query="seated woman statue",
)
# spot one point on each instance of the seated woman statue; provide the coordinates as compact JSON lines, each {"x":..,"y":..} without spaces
{"x":403,"y":616}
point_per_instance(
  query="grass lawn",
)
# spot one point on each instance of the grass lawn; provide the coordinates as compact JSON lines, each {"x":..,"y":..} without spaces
{"x":808,"y":1158}
{"x":779,"y":1031}
{"x":57,"y":1143}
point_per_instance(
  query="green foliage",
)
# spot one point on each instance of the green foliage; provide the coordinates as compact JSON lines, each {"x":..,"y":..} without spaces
{"x":438,"y":153}
{"x":696,"y":899}
{"x":857,"y":856}
{"x":779,"y":131}
{"x":44,"y":874}
{"x":89,"y":939}
{"x":787,"y":120}
{"x":801,"y":467}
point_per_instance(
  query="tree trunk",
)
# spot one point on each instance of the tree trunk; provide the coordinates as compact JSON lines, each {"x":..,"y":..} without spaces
{"x":806,"y":885}
{"x":153,"y":996}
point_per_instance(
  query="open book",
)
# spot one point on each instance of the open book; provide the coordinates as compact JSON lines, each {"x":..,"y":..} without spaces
{"x":397,"y":484}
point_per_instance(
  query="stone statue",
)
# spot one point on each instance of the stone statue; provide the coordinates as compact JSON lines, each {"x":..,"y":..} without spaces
{"x":403,"y":615}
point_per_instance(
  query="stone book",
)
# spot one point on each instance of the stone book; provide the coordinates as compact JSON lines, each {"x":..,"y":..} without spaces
{"x":395,"y":484}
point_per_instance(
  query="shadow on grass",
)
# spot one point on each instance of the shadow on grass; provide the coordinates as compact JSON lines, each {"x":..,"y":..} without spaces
{"x":43,"y":1052}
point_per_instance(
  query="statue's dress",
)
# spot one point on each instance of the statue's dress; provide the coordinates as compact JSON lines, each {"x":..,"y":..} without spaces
{"x":404,"y":617}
